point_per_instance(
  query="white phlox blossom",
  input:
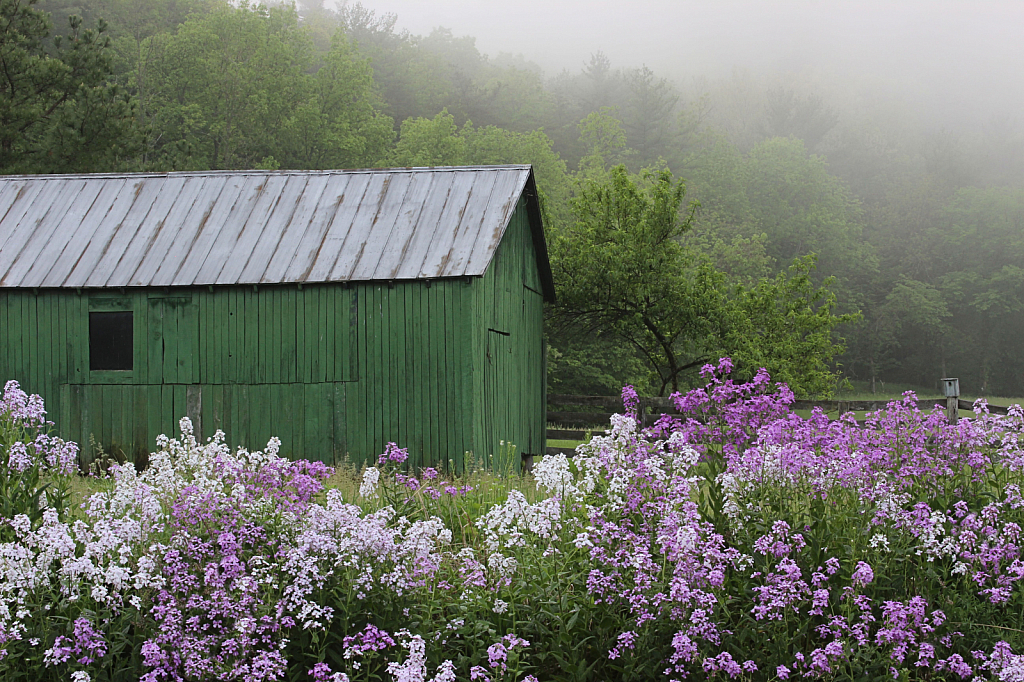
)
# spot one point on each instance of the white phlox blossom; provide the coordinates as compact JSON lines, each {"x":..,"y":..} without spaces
{"x":368,"y":488}
{"x":554,"y":476}
{"x":504,"y":566}
{"x":375,"y":552}
{"x":684,"y":457}
{"x":879,"y":540}
{"x":500,"y":606}
{"x":508,"y":524}
{"x":414,"y":668}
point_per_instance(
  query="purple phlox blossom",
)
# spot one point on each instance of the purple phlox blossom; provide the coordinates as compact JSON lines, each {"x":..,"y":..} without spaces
{"x":18,"y":458}
{"x":630,"y":401}
{"x":863,"y":575}
{"x":371,"y":639}
{"x":86,"y":646}
{"x":626,"y":640}
{"x":393,"y":453}
{"x":321,"y":672}
{"x":22,"y":407}
{"x":784,"y":589}
{"x":775,"y":543}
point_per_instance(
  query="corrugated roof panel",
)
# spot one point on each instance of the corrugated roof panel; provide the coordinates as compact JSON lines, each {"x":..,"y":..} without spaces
{"x":208,"y":232}
{"x":435,"y":261}
{"x":168,"y":201}
{"x":343,"y":244}
{"x":325,"y":211}
{"x":381,"y":228}
{"x":407,"y":218}
{"x":273,"y":231}
{"x":72,"y":250}
{"x":179,"y":231}
{"x":98,"y":239}
{"x":468,"y":230}
{"x":497,"y":213}
{"x":24,"y":247}
{"x":223,"y":244}
{"x":427,"y":224}
{"x":295,"y":231}
{"x":258,"y":227}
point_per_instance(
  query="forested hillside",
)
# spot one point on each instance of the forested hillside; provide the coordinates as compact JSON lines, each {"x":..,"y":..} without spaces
{"x":817,"y":234}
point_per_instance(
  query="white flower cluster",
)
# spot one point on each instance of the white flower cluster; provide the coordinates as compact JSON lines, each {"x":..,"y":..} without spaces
{"x":511,"y":523}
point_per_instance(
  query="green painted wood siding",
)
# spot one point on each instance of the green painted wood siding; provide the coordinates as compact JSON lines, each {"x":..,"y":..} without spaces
{"x":257,"y":363}
{"x":509,"y":347}
{"x":443,"y":368}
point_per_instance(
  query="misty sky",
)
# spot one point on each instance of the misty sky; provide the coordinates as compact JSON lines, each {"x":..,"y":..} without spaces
{"x":963,"y":56}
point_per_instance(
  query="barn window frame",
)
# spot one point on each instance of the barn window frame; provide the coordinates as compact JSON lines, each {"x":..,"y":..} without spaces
{"x":111,"y":305}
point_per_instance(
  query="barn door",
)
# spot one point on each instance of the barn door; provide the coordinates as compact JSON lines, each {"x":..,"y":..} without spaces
{"x":498,"y":388}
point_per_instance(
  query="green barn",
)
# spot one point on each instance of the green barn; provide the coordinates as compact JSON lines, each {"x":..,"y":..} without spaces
{"x":337,"y":310}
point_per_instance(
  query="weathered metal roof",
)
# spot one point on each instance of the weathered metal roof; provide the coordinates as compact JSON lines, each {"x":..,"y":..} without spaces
{"x":258,"y":227}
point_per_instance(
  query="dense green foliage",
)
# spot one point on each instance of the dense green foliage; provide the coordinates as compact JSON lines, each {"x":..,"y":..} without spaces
{"x":623,"y":270}
{"x":917,"y":229}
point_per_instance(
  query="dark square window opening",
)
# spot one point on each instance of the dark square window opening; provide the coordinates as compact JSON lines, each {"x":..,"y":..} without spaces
{"x":110,"y":341}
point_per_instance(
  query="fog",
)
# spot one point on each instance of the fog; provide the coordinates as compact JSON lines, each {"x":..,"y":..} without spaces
{"x":960,"y":62}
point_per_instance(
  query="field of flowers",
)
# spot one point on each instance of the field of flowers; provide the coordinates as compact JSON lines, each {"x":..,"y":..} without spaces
{"x":736,"y":542}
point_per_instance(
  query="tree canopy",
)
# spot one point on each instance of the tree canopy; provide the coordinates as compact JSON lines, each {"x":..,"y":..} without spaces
{"x":623,"y":269}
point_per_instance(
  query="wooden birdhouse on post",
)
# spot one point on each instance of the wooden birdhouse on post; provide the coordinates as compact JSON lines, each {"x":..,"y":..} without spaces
{"x":951,"y":389}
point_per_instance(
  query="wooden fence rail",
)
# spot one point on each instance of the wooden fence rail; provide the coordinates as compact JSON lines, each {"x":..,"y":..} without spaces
{"x":652,"y":408}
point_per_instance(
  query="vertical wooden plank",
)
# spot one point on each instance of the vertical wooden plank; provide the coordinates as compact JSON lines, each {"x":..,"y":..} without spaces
{"x":340,"y":425}
{"x":242,"y":435}
{"x":399,"y":399}
{"x":140,"y":435}
{"x":231,"y":336}
{"x":273,"y":331}
{"x":64,"y":425}
{"x":170,"y":417}
{"x":14,"y":324}
{"x":140,"y":338}
{"x":175,"y":336}
{"x":425,"y":382}
{"x":221,"y":335}
{"x":328,"y":306}
{"x":323,"y":317}
{"x":32,"y":327}
{"x":311,"y":422}
{"x":5,"y":340}
{"x":154,"y":424}
{"x":216,"y":407}
{"x":453,"y":290}
{"x":252,"y":333}
{"x":155,"y":342}
{"x":229,"y":412}
{"x":316,"y":329}
{"x":412,"y":407}
{"x":355,"y":417}
{"x":301,"y":365}
{"x":263,"y":339}
{"x":379,"y":354}
{"x":287,"y":317}
{"x":437,"y":322}
{"x":194,"y":321}
{"x":388,"y":418}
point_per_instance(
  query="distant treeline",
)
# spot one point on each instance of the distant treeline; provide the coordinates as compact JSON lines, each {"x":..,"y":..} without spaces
{"x":921,"y":230}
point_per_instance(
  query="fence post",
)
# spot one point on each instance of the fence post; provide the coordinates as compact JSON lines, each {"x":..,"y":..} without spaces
{"x":951,"y":389}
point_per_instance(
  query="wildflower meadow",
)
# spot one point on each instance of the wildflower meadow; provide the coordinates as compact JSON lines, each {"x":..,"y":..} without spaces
{"x":733,"y":541}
